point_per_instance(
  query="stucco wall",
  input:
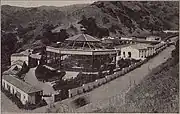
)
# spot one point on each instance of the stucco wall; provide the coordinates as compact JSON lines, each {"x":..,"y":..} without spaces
{"x":31,"y":98}
{"x":24,"y":96}
{"x":23,"y":58}
{"x":134,"y":52}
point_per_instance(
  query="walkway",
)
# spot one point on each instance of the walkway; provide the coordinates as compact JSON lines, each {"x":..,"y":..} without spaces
{"x":7,"y":105}
{"x":100,"y":96}
{"x":32,"y":79}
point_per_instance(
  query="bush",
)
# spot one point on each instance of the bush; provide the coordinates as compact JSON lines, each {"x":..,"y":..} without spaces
{"x":81,"y":101}
{"x":29,"y":106}
{"x":175,"y":52}
{"x":16,"y":100}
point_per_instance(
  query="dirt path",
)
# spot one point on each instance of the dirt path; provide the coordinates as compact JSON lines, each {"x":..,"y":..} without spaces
{"x":100,"y":97}
{"x":122,"y":84}
{"x":7,"y":105}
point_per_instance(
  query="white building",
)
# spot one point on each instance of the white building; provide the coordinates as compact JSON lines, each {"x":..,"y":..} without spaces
{"x":25,"y":56}
{"x":153,"y":38}
{"x":171,"y":31}
{"x":137,"y":51}
{"x":126,"y":38}
{"x":24,"y":91}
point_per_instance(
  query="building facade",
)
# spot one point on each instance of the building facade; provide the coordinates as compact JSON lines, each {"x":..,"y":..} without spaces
{"x":24,"y":91}
{"x":17,"y":57}
{"x":27,"y":57}
{"x":153,"y":38}
{"x":137,"y":51}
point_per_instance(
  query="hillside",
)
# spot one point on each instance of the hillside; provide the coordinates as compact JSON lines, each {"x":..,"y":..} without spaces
{"x":127,"y":17}
{"x":31,"y":27}
{"x":157,"y":93}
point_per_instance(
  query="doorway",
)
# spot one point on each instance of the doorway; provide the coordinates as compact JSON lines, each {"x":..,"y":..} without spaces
{"x":129,"y":54}
{"x":124,"y":54}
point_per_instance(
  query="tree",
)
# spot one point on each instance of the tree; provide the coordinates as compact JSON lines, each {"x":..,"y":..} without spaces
{"x":62,"y":35}
{"x":175,"y":52}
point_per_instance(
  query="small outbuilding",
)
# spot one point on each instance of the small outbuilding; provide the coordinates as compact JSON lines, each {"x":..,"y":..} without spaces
{"x":137,"y":51}
{"x":24,"y":91}
{"x":27,"y":57}
{"x":153,"y":38}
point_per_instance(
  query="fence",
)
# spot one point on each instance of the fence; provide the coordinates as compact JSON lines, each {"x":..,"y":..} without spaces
{"x":89,"y":86}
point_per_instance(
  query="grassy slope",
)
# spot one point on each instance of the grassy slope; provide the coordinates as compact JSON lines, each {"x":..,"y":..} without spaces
{"x":158,"y":92}
{"x":122,"y":17}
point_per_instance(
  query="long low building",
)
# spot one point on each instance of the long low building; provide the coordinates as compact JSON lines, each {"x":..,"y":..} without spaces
{"x":137,"y":51}
{"x":27,"y":57}
{"x":24,"y":91}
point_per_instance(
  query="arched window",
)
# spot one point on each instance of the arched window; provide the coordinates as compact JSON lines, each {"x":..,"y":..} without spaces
{"x":129,"y":54}
{"x":124,"y":54}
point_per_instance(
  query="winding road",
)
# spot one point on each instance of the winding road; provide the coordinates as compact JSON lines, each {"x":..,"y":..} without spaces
{"x":105,"y":94}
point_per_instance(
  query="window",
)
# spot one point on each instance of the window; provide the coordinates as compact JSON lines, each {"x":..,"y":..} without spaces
{"x":16,"y":68}
{"x":4,"y":84}
{"x":12,"y":90}
{"x":18,"y":94}
{"x":124,"y":54}
{"x":8,"y":87}
{"x":139,"y":53}
{"x":129,"y":54}
{"x":119,"y":53}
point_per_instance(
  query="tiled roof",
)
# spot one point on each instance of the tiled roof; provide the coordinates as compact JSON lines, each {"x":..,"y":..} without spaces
{"x":58,"y":29}
{"x":48,"y":67}
{"x":35,"y":56}
{"x":18,"y":62}
{"x":141,"y":46}
{"x":23,"y":53}
{"x":27,"y":88}
{"x":70,"y":75}
{"x":18,"y":54}
{"x":11,"y":71}
{"x":83,"y":38}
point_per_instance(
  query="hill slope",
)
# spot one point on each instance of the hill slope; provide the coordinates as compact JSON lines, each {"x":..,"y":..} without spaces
{"x":114,"y":18}
{"x":157,"y":93}
{"x":128,"y":16}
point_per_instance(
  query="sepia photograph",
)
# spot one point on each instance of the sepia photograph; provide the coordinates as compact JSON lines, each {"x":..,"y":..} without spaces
{"x":89,"y":56}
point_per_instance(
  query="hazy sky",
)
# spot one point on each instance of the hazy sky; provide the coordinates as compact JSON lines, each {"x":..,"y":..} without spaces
{"x":33,"y":3}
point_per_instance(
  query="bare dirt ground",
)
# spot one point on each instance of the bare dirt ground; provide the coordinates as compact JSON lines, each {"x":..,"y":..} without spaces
{"x":114,"y":90}
{"x":105,"y":94}
{"x":7,"y":105}
{"x":109,"y":93}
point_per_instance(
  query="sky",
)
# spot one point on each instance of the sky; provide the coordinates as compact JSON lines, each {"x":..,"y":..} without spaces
{"x":33,"y":3}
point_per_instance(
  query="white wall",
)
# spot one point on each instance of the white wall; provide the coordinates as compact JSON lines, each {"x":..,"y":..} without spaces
{"x":23,"y":58}
{"x":137,"y":54}
{"x":134,"y":52}
{"x":31,"y":98}
{"x":153,"y":38}
{"x":24,"y":96}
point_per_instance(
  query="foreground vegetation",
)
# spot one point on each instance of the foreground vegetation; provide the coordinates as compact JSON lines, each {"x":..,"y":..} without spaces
{"x":158,"y":92}
{"x":33,"y":27}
